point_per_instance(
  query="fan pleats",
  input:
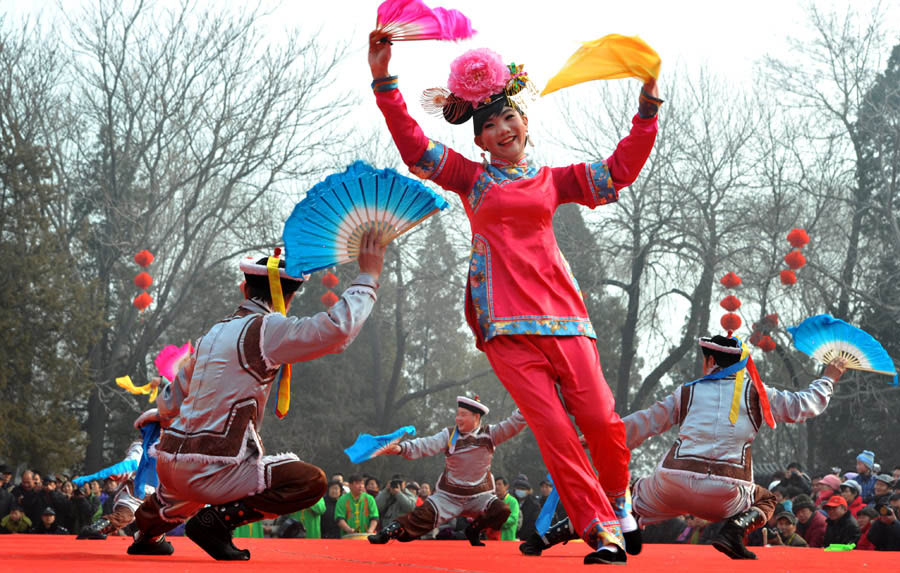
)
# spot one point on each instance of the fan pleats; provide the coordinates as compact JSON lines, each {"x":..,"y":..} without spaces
{"x":326,"y":228}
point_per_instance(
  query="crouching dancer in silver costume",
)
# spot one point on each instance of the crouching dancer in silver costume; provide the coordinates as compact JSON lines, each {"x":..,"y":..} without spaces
{"x":708,"y":472}
{"x":466,"y":487}
{"x":210,"y":452}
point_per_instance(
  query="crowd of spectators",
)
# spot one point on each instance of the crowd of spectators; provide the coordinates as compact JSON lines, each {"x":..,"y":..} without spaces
{"x":858,"y":509}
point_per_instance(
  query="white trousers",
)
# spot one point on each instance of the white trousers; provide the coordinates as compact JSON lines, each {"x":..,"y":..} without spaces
{"x":667,"y":494}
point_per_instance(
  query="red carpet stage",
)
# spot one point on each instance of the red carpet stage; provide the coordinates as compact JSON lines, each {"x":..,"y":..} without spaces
{"x":58,"y":553}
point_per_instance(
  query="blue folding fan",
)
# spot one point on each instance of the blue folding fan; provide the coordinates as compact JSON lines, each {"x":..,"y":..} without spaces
{"x":368,"y":446}
{"x":824,"y":338}
{"x":325,"y":228}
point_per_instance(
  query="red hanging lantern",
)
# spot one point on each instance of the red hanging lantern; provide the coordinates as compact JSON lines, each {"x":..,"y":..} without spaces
{"x":330,"y":280}
{"x":329,"y":299}
{"x":730,"y":280}
{"x":767,"y":344}
{"x":788,"y":277}
{"x":756,"y":337}
{"x":771,"y":320}
{"x":142,"y":301}
{"x":144,"y":258}
{"x":798,"y":238}
{"x":143,"y":280}
{"x":730,"y":303}
{"x":730,"y":321}
{"x":795,"y":259}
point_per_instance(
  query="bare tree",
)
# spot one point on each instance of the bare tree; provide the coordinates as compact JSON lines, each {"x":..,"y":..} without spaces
{"x":668,"y":234}
{"x":179,"y":128}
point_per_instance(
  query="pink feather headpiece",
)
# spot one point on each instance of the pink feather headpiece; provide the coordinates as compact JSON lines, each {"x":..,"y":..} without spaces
{"x":478,"y":78}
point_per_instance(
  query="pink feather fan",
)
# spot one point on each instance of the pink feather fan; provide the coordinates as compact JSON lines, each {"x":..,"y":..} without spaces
{"x":170,"y":359}
{"x":406,"y":20}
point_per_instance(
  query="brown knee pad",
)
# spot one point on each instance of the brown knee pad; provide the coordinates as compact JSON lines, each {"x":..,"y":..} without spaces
{"x":420,"y":521}
{"x":765,"y":501}
{"x":148,"y":519}
{"x":293,"y":486}
{"x":494,"y":516}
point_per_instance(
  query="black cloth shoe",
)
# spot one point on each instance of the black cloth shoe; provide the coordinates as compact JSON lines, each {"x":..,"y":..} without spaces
{"x":534,"y":545}
{"x":157,"y":546}
{"x":560,"y":532}
{"x":212,"y":533}
{"x":606,"y":557}
{"x":474,"y":536}
{"x":730,"y":539}
{"x":96,"y":530}
{"x":393,"y":531}
{"x":634,"y":541}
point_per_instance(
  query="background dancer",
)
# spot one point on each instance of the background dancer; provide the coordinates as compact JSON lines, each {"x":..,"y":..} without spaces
{"x":522,"y":302}
{"x":210,"y":452}
{"x":127,"y":498}
{"x":466,"y":487}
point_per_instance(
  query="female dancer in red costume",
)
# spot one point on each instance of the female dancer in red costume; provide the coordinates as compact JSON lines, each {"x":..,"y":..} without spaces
{"x":522,"y":302}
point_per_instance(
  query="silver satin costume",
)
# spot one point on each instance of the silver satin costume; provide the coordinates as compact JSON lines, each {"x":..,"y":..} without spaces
{"x":708,"y":471}
{"x":209,"y":449}
{"x":466,"y":486}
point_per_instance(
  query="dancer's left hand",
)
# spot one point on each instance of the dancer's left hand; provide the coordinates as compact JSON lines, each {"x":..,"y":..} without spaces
{"x":651,"y":88}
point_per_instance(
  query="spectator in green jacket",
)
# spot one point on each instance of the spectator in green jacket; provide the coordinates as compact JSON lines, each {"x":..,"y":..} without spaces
{"x":356,"y":512}
{"x":311,"y":518}
{"x":508,"y":531}
{"x":15,"y":522}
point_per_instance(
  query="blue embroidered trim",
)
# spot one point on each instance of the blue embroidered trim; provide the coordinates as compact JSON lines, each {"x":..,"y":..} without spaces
{"x":385,"y":84}
{"x":601,"y":183}
{"x":599,"y":533}
{"x":478,"y":190}
{"x":481,"y":292}
{"x":432,"y":161}
{"x":499,"y":172}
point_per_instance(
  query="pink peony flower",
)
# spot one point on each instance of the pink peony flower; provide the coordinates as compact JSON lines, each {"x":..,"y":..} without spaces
{"x":477,"y":75}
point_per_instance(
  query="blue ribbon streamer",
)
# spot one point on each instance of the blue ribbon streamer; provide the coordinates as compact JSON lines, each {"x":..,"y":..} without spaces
{"x":146,"y":470}
{"x":545,"y":517}
{"x":720,"y":374}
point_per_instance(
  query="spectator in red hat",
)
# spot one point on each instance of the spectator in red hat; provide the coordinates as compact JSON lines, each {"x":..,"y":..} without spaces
{"x":842,"y":526}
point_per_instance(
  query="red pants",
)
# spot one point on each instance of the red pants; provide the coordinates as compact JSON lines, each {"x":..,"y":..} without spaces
{"x":530,"y":367}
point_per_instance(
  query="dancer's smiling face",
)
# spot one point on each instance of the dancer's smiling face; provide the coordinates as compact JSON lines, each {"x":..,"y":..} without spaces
{"x":504,"y":134}
{"x":466,"y":420}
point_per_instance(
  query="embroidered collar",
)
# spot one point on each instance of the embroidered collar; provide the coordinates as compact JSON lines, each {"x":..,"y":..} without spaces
{"x":501,"y":169}
{"x":504,"y":164}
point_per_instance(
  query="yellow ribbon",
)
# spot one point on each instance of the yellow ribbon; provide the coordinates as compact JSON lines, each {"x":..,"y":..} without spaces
{"x":126,"y":383}
{"x":738,"y":388}
{"x":610,"y":57}
{"x":283,"y":402}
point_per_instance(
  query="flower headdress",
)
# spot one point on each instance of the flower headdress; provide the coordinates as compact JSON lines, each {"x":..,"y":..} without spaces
{"x":479,"y":82}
